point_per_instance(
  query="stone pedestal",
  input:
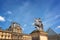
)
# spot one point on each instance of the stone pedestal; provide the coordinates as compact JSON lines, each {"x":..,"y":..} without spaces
{"x":39,"y":35}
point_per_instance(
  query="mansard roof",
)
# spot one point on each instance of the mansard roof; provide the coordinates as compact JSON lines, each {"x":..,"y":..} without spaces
{"x":17,"y":25}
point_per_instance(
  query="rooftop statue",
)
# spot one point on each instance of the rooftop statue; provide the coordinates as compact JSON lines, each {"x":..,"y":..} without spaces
{"x":38,"y":24}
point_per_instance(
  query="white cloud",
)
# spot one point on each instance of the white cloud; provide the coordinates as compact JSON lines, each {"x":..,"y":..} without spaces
{"x":2,"y":18}
{"x":9,"y":12}
{"x":58,"y":26}
{"x":25,"y":25}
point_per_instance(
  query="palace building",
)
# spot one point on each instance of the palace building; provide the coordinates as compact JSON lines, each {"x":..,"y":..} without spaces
{"x":14,"y":32}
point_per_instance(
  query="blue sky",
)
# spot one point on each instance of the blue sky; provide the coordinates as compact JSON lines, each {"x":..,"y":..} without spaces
{"x":24,"y":12}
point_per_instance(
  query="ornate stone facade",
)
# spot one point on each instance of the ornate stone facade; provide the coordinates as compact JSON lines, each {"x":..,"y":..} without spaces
{"x":14,"y":32}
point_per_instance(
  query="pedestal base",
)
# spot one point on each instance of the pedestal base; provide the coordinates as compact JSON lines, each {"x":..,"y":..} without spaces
{"x":39,"y":35}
